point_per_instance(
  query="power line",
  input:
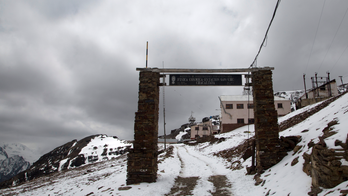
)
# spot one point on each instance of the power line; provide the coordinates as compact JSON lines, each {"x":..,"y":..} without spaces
{"x":333,"y":38}
{"x":315,"y":37}
{"x":265,"y":38}
{"x":339,"y":58}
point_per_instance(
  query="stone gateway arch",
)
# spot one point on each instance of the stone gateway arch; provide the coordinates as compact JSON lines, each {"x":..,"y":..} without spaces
{"x":142,"y":158}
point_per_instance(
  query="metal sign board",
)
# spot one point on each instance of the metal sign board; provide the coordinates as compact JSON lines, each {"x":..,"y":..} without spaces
{"x":205,"y":79}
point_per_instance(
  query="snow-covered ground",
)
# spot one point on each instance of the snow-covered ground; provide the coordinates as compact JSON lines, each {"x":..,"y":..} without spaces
{"x":181,"y":134}
{"x":198,"y":164}
{"x":103,"y":148}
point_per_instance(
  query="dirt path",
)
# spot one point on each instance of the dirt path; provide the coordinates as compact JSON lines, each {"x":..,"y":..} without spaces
{"x":220,"y":183}
{"x":197,"y":171}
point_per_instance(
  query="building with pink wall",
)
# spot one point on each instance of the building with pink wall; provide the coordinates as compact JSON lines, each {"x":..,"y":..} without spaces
{"x":207,"y":128}
{"x":238,"y":110}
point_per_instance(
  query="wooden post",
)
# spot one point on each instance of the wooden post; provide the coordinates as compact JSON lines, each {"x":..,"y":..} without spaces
{"x":305,"y":89}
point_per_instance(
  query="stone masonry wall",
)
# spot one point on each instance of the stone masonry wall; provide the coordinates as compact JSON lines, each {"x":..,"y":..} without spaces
{"x":268,"y":148}
{"x":304,"y":115}
{"x":142,"y":159}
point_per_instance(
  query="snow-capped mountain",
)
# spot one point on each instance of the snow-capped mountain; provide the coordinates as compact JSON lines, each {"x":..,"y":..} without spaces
{"x":11,"y":166}
{"x":73,"y":154}
{"x":14,"y":158}
{"x":21,"y":150}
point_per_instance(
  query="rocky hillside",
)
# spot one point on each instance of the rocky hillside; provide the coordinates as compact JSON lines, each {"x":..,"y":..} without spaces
{"x":11,"y":166}
{"x":73,"y":154}
{"x":175,"y":132}
{"x":14,"y":158}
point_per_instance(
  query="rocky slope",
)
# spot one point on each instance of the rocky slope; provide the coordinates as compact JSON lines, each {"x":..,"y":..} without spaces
{"x":14,"y":158}
{"x":75,"y":153}
{"x":11,"y":166}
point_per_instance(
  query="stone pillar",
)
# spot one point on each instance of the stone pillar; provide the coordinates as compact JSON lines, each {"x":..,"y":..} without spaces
{"x":268,"y":150}
{"x":142,"y":159}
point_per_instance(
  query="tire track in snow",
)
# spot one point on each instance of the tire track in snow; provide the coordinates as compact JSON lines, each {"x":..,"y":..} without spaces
{"x":220,"y":182}
{"x":183,"y":185}
{"x":210,"y":165}
{"x":198,"y":176}
{"x":193,"y":166}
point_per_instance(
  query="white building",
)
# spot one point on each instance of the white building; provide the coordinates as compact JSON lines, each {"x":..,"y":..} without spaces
{"x":209,"y":127}
{"x":322,"y":92}
{"x":238,"y":110}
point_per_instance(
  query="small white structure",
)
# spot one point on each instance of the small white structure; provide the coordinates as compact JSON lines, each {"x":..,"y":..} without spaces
{"x":238,"y":110}
{"x":209,"y":126}
{"x":320,"y":93}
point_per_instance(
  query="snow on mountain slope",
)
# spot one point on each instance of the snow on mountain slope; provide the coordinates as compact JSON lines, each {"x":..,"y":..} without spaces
{"x":15,"y":158}
{"x":195,"y":170}
{"x":21,"y":150}
{"x":12,"y":166}
{"x":103,"y":148}
{"x":92,"y":149}
{"x":284,"y":178}
{"x":3,"y":154}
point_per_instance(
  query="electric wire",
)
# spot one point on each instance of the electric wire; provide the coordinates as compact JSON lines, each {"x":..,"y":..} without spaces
{"x":339,"y":58}
{"x":315,"y":37}
{"x":266,"y":34}
{"x":333,"y":39}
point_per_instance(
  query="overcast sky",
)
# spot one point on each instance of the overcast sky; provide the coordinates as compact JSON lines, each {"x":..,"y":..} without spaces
{"x":68,"y":68}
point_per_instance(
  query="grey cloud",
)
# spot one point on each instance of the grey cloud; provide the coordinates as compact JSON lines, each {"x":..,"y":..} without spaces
{"x":67,"y":69}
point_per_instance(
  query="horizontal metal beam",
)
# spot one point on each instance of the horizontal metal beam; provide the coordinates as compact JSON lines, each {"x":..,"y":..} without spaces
{"x":175,"y":70}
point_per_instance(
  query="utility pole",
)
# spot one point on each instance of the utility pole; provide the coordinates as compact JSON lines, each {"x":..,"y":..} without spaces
{"x":304,"y":82}
{"x":343,"y":86}
{"x":316,"y":82}
{"x":329,"y":84}
{"x":313,"y":86}
{"x":164,"y":111}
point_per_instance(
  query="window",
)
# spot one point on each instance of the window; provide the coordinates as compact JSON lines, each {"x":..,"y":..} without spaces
{"x":251,"y":121}
{"x":196,"y":128}
{"x":250,"y":105}
{"x":205,"y":128}
{"x":240,"y":121}
{"x":280,"y":105}
{"x":240,"y":106}
{"x":229,"y":106}
{"x":322,"y":88}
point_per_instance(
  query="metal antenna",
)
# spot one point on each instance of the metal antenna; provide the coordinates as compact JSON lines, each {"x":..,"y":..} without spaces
{"x":147,"y":49}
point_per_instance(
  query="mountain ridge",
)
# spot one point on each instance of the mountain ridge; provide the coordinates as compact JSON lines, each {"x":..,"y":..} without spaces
{"x":14,"y":158}
{"x":72,"y":154}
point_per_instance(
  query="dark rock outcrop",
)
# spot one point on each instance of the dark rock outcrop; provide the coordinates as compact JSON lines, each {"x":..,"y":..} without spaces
{"x":12,"y":166}
{"x":324,"y":165}
{"x":175,"y":132}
